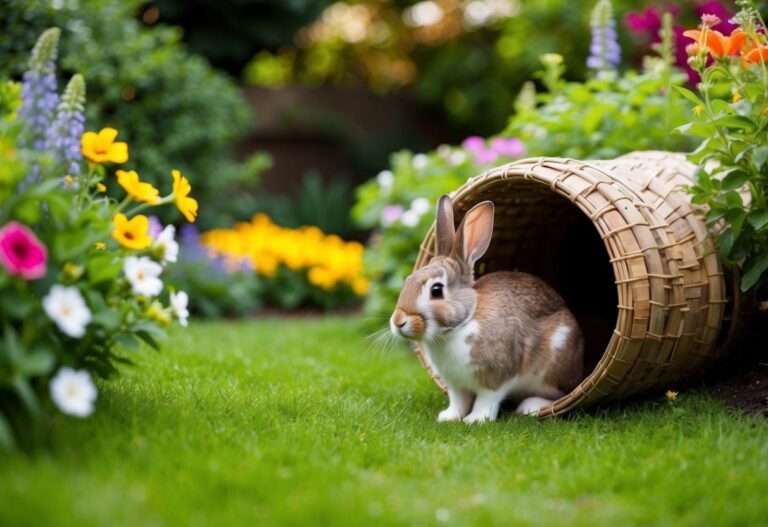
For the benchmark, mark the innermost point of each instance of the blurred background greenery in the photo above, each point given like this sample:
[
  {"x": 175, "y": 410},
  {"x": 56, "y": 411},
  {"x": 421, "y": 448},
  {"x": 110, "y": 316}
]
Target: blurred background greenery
[{"x": 286, "y": 106}]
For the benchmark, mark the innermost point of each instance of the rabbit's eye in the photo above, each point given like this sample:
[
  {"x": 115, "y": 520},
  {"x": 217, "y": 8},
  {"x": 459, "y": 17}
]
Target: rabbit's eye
[{"x": 436, "y": 291}]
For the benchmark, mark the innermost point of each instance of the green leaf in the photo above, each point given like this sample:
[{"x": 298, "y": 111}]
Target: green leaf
[
  {"x": 108, "y": 318},
  {"x": 37, "y": 362},
  {"x": 688, "y": 94},
  {"x": 759, "y": 156},
  {"x": 102, "y": 268},
  {"x": 735, "y": 122},
  {"x": 6, "y": 435},
  {"x": 735, "y": 179},
  {"x": 753, "y": 270},
  {"x": 725, "y": 244},
  {"x": 758, "y": 219},
  {"x": 733, "y": 199},
  {"x": 26, "y": 394}
]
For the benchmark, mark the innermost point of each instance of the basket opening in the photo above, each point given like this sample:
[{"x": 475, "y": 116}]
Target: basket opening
[{"x": 540, "y": 232}]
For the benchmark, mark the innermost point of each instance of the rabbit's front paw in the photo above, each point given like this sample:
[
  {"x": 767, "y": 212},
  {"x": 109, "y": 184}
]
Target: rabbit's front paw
[
  {"x": 477, "y": 417},
  {"x": 449, "y": 414}
]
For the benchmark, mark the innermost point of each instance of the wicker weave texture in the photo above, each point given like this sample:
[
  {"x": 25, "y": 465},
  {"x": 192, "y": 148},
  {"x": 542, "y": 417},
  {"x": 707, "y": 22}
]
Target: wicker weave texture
[{"x": 669, "y": 284}]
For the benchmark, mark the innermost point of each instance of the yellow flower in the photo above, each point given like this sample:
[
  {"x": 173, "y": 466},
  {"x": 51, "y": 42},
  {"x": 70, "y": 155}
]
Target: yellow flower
[
  {"x": 360, "y": 286},
  {"x": 698, "y": 109},
  {"x": 102, "y": 148},
  {"x": 100, "y": 246},
  {"x": 68, "y": 180},
  {"x": 321, "y": 277},
  {"x": 181, "y": 190},
  {"x": 737, "y": 97},
  {"x": 139, "y": 191},
  {"x": 671, "y": 396},
  {"x": 101, "y": 187},
  {"x": 133, "y": 233}
]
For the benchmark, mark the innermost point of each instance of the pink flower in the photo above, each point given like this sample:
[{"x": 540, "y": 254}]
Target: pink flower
[
  {"x": 511, "y": 147},
  {"x": 474, "y": 144},
  {"x": 21, "y": 253},
  {"x": 390, "y": 214}
]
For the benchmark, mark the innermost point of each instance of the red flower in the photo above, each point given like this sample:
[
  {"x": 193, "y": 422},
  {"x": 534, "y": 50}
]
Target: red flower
[{"x": 21, "y": 253}]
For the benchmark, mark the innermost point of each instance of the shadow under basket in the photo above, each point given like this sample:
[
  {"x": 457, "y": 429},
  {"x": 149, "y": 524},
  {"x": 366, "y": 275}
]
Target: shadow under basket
[{"x": 621, "y": 242}]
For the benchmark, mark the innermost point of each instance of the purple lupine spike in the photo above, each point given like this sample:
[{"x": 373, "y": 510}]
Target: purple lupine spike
[
  {"x": 38, "y": 90},
  {"x": 605, "y": 53},
  {"x": 62, "y": 138}
]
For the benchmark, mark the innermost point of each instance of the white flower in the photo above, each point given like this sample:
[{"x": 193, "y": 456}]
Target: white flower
[
  {"x": 420, "y": 161},
  {"x": 457, "y": 157},
  {"x": 386, "y": 180},
  {"x": 66, "y": 307},
  {"x": 73, "y": 392},
  {"x": 179, "y": 303},
  {"x": 410, "y": 218},
  {"x": 166, "y": 245},
  {"x": 420, "y": 206},
  {"x": 143, "y": 274}
]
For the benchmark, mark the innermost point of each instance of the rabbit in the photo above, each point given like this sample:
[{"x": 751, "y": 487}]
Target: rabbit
[{"x": 505, "y": 335}]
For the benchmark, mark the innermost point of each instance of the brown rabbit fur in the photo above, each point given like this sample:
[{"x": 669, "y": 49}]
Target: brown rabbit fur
[{"x": 506, "y": 335}]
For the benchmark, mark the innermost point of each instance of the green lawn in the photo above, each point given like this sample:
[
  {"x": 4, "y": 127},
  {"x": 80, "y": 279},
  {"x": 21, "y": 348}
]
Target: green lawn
[{"x": 299, "y": 422}]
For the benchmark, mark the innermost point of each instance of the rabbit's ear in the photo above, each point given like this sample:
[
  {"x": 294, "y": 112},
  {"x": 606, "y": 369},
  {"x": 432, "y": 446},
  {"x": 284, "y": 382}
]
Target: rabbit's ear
[
  {"x": 474, "y": 235},
  {"x": 446, "y": 232}
]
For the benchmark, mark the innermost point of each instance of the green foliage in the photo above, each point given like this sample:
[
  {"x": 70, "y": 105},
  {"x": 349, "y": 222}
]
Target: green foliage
[
  {"x": 324, "y": 205},
  {"x": 732, "y": 180},
  {"x": 293, "y": 422},
  {"x": 227, "y": 32},
  {"x": 605, "y": 116},
  {"x": 175, "y": 110}
]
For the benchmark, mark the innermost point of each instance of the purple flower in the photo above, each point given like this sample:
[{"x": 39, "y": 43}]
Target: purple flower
[
  {"x": 605, "y": 53},
  {"x": 509, "y": 147},
  {"x": 63, "y": 137},
  {"x": 38, "y": 90},
  {"x": 155, "y": 226}
]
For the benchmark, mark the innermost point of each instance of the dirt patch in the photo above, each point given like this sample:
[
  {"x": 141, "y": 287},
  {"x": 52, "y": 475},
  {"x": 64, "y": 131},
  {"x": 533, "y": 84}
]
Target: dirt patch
[{"x": 746, "y": 389}]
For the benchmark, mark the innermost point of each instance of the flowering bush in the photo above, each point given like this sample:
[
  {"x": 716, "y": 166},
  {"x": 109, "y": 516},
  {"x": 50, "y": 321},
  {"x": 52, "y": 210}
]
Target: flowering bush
[
  {"x": 731, "y": 115},
  {"x": 80, "y": 276},
  {"x": 608, "y": 115},
  {"x": 296, "y": 267}
]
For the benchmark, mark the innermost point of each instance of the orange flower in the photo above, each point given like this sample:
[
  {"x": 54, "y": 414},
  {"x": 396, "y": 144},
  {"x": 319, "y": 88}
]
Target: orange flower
[
  {"x": 181, "y": 190},
  {"x": 719, "y": 45},
  {"x": 756, "y": 56},
  {"x": 102, "y": 148}
]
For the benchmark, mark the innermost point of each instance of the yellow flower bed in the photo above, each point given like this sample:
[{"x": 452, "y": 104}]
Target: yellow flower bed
[{"x": 328, "y": 260}]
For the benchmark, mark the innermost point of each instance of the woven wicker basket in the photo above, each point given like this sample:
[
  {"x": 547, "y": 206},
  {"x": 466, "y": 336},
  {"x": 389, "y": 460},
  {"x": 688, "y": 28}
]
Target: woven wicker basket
[{"x": 621, "y": 243}]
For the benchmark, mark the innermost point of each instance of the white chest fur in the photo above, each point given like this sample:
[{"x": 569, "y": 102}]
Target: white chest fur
[{"x": 449, "y": 354}]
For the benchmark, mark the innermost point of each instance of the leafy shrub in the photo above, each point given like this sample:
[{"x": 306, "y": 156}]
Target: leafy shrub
[
  {"x": 79, "y": 273},
  {"x": 324, "y": 205},
  {"x": 174, "y": 109},
  {"x": 730, "y": 118}
]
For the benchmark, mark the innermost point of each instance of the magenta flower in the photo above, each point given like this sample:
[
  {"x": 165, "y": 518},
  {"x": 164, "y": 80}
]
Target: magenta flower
[{"x": 21, "y": 253}]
